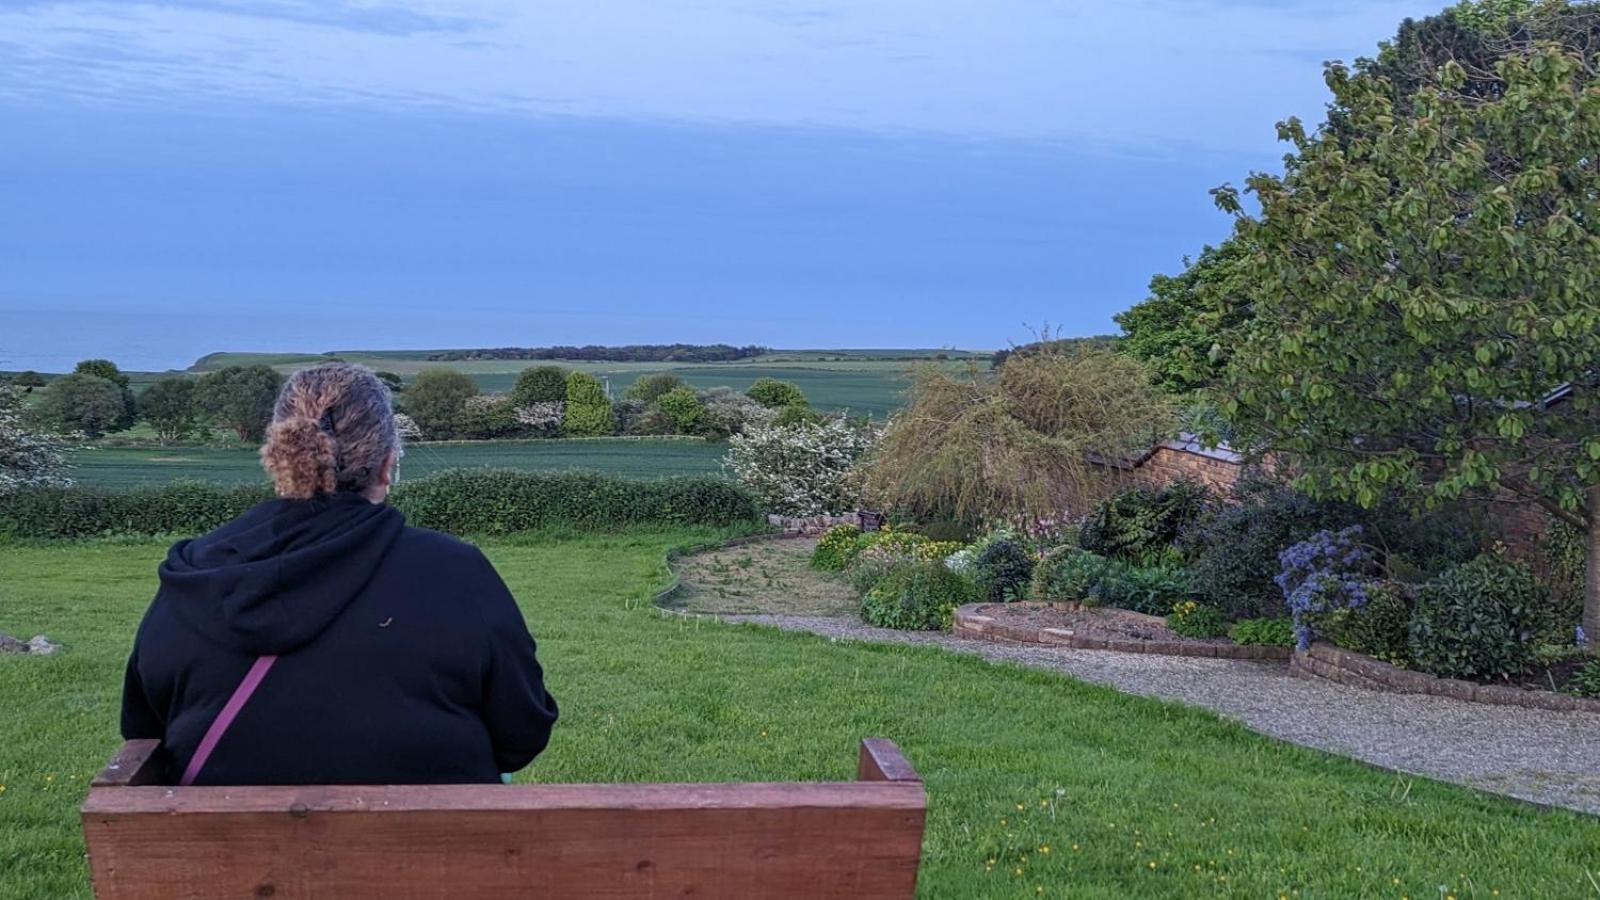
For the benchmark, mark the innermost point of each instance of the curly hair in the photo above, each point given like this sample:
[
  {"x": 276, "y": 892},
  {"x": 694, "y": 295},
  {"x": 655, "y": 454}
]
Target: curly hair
[{"x": 332, "y": 428}]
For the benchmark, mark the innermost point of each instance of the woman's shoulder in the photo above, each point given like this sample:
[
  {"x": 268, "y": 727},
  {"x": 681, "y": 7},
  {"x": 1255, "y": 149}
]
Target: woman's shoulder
[{"x": 428, "y": 548}]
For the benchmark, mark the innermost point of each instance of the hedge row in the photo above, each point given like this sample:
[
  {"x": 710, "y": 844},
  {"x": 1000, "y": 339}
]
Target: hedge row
[{"x": 477, "y": 501}]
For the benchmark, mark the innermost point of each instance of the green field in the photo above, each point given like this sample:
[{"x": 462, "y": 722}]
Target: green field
[
  {"x": 130, "y": 467},
  {"x": 1038, "y": 785},
  {"x": 862, "y": 381}
]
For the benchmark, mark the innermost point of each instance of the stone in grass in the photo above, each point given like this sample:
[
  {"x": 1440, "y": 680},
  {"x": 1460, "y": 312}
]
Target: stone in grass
[{"x": 39, "y": 645}]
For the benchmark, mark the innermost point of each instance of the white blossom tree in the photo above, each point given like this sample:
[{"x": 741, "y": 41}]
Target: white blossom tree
[
  {"x": 26, "y": 459},
  {"x": 805, "y": 469}
]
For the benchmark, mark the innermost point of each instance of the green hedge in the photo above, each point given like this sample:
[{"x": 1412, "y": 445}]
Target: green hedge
[
  {"x": 489, "y": 501},
  {"x": 476, "y": 501}
]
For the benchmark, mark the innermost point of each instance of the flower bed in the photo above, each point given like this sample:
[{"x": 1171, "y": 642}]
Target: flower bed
[
  {"x": 1324, "y": 660},
  {"x": 1074, "y": 626}
]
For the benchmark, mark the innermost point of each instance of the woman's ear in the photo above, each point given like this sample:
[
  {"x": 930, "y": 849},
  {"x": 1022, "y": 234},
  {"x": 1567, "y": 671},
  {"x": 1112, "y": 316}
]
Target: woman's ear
[{"x": 385, "y": 480}]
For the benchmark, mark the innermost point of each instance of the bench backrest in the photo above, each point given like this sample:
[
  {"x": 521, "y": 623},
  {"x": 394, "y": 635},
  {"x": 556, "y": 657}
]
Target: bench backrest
[{"x": 831, "y": 839}]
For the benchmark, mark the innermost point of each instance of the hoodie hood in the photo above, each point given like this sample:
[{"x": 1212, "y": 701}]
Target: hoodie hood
[{"x": 273, "y": 579}]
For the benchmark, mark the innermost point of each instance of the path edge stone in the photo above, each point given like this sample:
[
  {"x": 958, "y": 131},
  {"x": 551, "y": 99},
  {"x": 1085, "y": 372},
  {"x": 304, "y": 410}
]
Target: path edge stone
[
  {"x": 969, "y": 623},
  {"x": 1326, "y": 662}
]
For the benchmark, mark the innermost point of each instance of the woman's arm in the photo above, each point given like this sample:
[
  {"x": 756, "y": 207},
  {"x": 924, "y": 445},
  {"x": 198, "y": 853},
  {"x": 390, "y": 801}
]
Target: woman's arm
[
  {"x": 139, "y": 718},
  {"x": 518, "y": 710}
]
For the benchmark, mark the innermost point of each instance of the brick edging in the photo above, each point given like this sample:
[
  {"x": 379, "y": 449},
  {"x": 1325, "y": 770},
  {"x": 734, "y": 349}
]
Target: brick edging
[
  {"x": 1324, "y": 660},
  {"x": 969, "y": 623}
]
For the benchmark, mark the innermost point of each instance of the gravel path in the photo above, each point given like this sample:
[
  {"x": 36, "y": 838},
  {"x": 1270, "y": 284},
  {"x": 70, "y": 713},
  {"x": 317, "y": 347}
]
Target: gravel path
[{"x": 1546, "y": 757}]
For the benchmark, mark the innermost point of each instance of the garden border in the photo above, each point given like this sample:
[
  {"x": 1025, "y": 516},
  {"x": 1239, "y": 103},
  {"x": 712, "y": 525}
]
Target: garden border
[
  {"x": 969, "y": 623},
  {"x": 1330, "y": 663}
]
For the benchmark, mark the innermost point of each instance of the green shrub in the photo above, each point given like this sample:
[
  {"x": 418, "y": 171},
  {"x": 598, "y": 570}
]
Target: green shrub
[
  {"x": 1002, "y": 571},
  {"x": 1067, "y": 573},
  {"x": 775, "y": 394},
  {"x": 917, "y": 596},
  {"x": 1152, "y": 590},
  {"x": 876, "y": 553},
  {"x": 475, "y": 501},
  {"x": 1379, "y": 628},
  {"x": 684, "y": 408},
  {"x": 1587, "y": 682},
  {"x": 1476, "y": 620},
  {"x": 588, "y": 412},
  {"x": 1142, "y": 525},
  {"x": 1566, "y": 560},
  {"x": 540, "y": 384},
  {"x": 1233, "y": 551},
  {"x": 650, "y": 388},
  {"x": 836, "y": 549},
  {"x": 1196, "y": 620},
  {"x": 1274, "y": 632}
]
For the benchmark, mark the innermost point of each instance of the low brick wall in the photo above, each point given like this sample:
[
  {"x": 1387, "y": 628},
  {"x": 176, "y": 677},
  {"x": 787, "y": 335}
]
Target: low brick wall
[
  {"x": 794, "y": 525},
  {"x": 969, "y": 623},
  {"x": 1324, "y": 660}
]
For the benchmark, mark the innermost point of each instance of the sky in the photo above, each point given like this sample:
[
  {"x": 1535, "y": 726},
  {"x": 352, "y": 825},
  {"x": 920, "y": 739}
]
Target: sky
[{"x": 186, "y": 176}]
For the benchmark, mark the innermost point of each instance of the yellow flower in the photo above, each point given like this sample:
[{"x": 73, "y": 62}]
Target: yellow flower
[
  {"x": 1044, "y": 848},
  {"x": 1152, "y": 864}
]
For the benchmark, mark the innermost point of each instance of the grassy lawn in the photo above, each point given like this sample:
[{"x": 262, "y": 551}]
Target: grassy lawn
[
  {"x": 128, "y": 467},
  {"x": 1038, "y": 785}
]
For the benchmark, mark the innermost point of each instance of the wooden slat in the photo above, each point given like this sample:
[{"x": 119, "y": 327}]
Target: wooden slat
[
  {"x": 881, "y": 760},
  {"x": 134, "y": 763},
  {"x": 706, "y": 852},
  {"x": 827, "y": 840},
  {"x": 386, "y": 799}
]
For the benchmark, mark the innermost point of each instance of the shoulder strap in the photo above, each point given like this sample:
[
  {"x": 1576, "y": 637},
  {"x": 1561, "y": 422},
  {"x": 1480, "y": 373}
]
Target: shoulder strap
[{"x": 230, "y": 711}]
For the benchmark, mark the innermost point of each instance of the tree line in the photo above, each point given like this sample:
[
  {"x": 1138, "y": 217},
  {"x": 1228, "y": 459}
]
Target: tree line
[
  {"x": 437, "y": 404},
  {"x": 598, "y": 353}
]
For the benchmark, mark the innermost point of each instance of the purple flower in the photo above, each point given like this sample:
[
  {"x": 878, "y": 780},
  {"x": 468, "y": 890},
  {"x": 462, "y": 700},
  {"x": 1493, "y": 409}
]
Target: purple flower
[{"x": 1326, "y": 572}]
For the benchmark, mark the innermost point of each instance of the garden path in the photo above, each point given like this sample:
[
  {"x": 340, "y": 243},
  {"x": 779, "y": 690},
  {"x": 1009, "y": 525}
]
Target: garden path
[{"x": 1547, "y": 757}]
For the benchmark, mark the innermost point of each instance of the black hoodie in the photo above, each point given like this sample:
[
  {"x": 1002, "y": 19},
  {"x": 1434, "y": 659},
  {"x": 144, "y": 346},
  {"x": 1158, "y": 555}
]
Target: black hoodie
[{"x": 403, "y": 657}]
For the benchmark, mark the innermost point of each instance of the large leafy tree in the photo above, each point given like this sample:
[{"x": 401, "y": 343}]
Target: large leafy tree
[
  {"x": 84, "y": 403},
  {"x": 1032, "y": 439},
  {"x": 1475, "y": 36},
  {"x": 588, "y": 411},
  {"x": 105, "y": 368},
  {"x": 438, "y": 401},
  {"x": 1425, "y": 287},
  {"x": 169, "y": 407},
  {"x": 240, "y": 398},
  {"x": 1185, "y": 326},
  {"x": 540, "y": 384}
]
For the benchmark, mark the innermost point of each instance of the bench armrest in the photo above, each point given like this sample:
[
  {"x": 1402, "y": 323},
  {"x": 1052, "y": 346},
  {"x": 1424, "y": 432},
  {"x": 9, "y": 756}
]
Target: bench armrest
[
  {"x": 881, "y": 760},
  {"x": 135, "y": 764}
]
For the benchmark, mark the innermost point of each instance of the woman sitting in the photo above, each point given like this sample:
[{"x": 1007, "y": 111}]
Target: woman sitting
[{"x": 318, "y": 639}]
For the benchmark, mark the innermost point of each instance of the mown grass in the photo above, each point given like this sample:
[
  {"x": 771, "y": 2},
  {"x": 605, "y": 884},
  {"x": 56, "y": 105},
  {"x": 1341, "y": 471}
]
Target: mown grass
[
  {"x": 1039, "y": 785},
  {"x": 644, "y": 458}
]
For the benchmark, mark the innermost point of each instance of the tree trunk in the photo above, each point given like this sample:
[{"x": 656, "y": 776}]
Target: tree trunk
[{"x": 1591, "y": 593}]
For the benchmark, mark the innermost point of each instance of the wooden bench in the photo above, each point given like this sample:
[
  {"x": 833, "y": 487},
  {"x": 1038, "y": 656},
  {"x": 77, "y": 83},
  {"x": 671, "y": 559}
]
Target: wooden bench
[{"x": 825, "y": 839}]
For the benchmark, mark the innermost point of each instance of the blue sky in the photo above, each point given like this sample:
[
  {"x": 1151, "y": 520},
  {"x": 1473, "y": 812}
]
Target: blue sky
[{"x": 194, "y": 175}]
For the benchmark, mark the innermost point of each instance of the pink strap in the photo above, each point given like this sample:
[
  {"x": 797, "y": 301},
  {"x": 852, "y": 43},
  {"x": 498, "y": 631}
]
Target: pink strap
[{"x": 230, "y": 711}]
